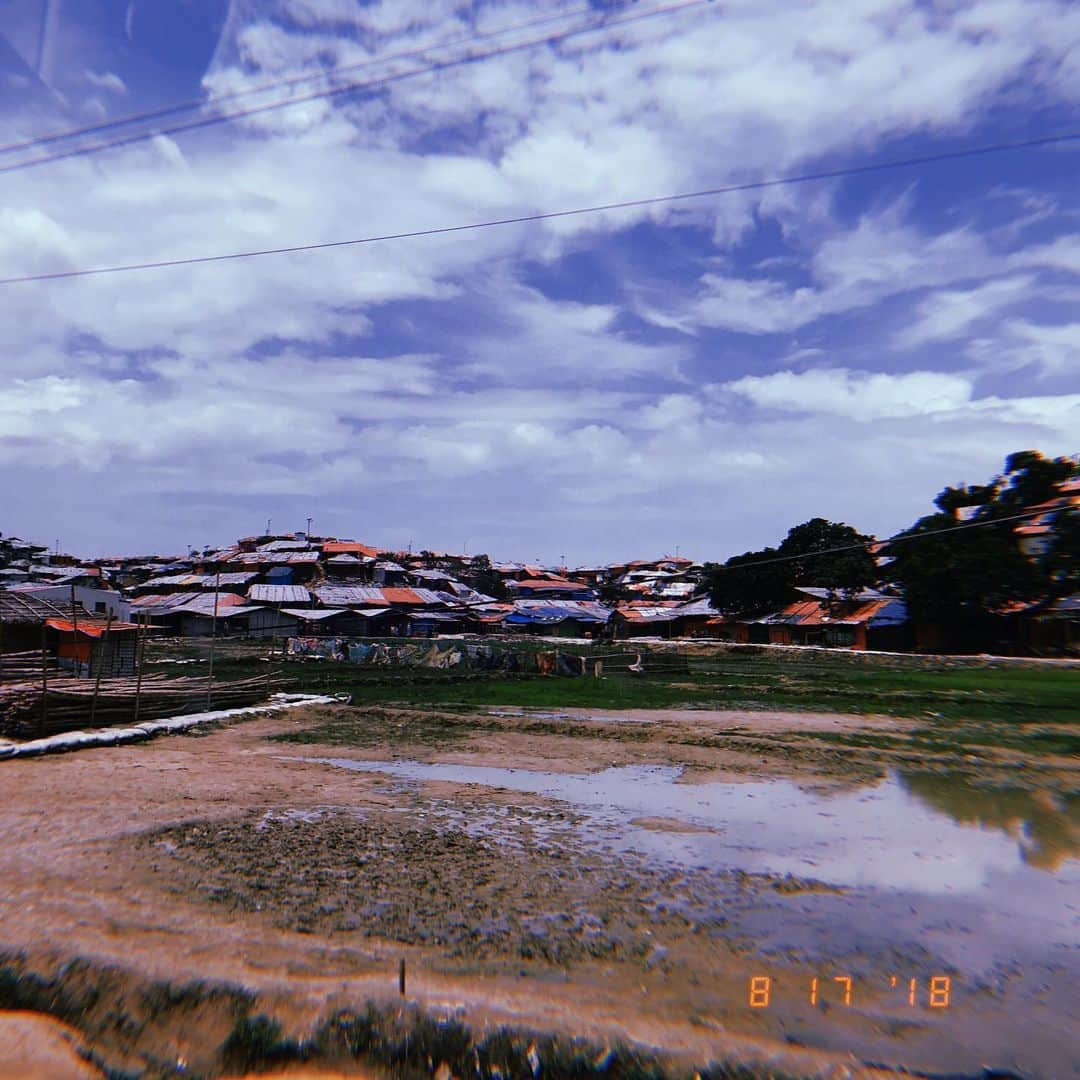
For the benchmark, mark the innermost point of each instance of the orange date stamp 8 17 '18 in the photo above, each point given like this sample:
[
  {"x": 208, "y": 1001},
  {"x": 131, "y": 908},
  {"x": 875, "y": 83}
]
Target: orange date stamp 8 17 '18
[{"x": 935, "y": 993}]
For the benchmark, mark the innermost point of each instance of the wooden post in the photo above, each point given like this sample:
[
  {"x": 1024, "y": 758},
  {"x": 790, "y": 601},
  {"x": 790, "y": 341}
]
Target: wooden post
[
  {"x": 44, "y": 681},
  {"x": 100, "y": 667},
  {"x": 213, "y": 638},
  {"x": 140, "y": 649},
  {"x": 75, "y": 629},
  {"x": 401, "y": 977}
]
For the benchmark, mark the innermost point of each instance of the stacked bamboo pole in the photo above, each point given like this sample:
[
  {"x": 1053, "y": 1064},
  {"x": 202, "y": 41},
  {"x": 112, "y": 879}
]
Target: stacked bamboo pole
[{"x": 67, "y": 703}]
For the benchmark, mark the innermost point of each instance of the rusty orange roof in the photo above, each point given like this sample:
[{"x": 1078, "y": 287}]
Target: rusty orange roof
[
  {"x": 811, "y": 612},
  {"x": 406, "y": 596},
  {"x": 90, "y": 629},
  {"x": 349, "y": 547}
]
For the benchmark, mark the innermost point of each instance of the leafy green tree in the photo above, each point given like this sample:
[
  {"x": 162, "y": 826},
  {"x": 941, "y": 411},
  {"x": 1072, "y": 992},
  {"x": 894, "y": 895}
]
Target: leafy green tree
[
  {"x": 1060, "y": 563},
  {"x": 609, "y": 593},
  {"x": 1030, "y": 479},
  {"x": 820, "y": 564},
  {"x": 960, "y": 576},
  {"x": 969, "y": 573},
  {"x": 757, "y": 582},
  {"x": 749, "y": 584},
  {"x": 484, "y": 579}
]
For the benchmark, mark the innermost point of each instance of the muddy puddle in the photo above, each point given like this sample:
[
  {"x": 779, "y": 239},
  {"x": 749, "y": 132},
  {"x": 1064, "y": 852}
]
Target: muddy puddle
[
  {"x": 602, "y": 718},
  {"x": 911, "y": 878}
]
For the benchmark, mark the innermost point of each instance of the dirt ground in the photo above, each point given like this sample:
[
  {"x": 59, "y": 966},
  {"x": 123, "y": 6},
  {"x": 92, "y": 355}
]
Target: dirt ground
[{"x": 212, "y": 904}]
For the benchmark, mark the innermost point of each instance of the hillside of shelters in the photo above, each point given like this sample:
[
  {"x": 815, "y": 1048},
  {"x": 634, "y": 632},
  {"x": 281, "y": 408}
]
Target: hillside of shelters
[{"x": 304, "y": 589}]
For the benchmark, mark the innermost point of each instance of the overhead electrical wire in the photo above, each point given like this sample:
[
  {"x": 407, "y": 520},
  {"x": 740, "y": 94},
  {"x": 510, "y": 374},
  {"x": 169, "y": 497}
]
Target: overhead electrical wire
[
  {"x": 348, "y": 88},
  {"x": 898, "y": 539},
  {"x": 548, "y": 215},
  {"x": 290, "y": 83}
]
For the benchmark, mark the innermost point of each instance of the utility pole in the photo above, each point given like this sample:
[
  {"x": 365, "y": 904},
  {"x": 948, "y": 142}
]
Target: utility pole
[
  {"x": 267, "y": 533},
  {"x": 309, "y": 521}
]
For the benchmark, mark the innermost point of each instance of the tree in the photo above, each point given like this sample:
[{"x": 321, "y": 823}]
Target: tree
[
  {"x": 969, "y": 573},
  {"x": 1060, "y": 563},
  {"x": 484, "y": 579},
  {"x": 846, "y": 571},
  {"x": 608, "y": 592},
  {"x": 960, "y": 576},
  {"x": 757, "y": 582},
  {"x": 1031, "y": 479},
  {"x": 749, "y": 584}
]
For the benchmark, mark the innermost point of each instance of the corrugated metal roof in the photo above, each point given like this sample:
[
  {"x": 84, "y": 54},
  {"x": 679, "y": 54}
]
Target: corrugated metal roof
[
  {"x": 348, "y": 595},
  {"x": 546, "y": 585},
  {"x": 285, "y": 545},
  {"x": 414, "y": 596},
  {"x": 702, "y": 606},
  {"x": 274, "y": 558},
  {"x": 171, "y": 579},
  {"x": 348, "y": 547},
  {"x": 279, "y": 594},
  {"x": 201, "y": 581},
  {"x": 649, "y": 614},
  {"x": 314, "y": 614},
  {"x": 201, "y": 602},
  {"x": 352, "y": 595},
  {"x": 884, "y": 611}
]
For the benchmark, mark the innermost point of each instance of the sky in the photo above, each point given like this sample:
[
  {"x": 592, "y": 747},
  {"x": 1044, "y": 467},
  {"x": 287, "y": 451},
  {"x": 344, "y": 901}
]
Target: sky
[{"x": 698, "y": 375}]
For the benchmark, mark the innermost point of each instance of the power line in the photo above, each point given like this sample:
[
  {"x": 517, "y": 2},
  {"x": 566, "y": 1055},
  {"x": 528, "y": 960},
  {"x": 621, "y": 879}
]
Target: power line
[
  {"x": 289, "y": 83},
  {"x": 900, "y": 538},
  {"x": 727, "y": 189},
  {"x": 348, "y": 88}
]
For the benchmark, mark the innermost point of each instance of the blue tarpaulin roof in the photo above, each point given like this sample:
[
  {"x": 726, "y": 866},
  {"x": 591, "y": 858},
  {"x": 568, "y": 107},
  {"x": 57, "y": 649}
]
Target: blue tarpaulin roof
[{"x": 552, "y": 613}]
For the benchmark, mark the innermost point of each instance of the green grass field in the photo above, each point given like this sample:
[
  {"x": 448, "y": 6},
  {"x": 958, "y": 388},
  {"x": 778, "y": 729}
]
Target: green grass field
[{"x": 949, "y": 689}]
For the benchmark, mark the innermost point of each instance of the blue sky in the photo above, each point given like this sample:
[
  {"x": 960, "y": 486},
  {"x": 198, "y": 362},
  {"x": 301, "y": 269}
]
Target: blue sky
[{"x": 703, "y": 374}]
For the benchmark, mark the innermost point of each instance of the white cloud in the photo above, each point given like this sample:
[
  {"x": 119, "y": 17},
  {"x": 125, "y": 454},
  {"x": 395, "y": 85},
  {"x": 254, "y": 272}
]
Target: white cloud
[
  {"x": 851, "y": 269},
  {"x": 854, "y": 394},
  {"x": 948, "y": 313},
  {"x": 1047, "y": 348},
  {"x": 106, "y": 80},
  {"x": 523, "y": 403}
]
